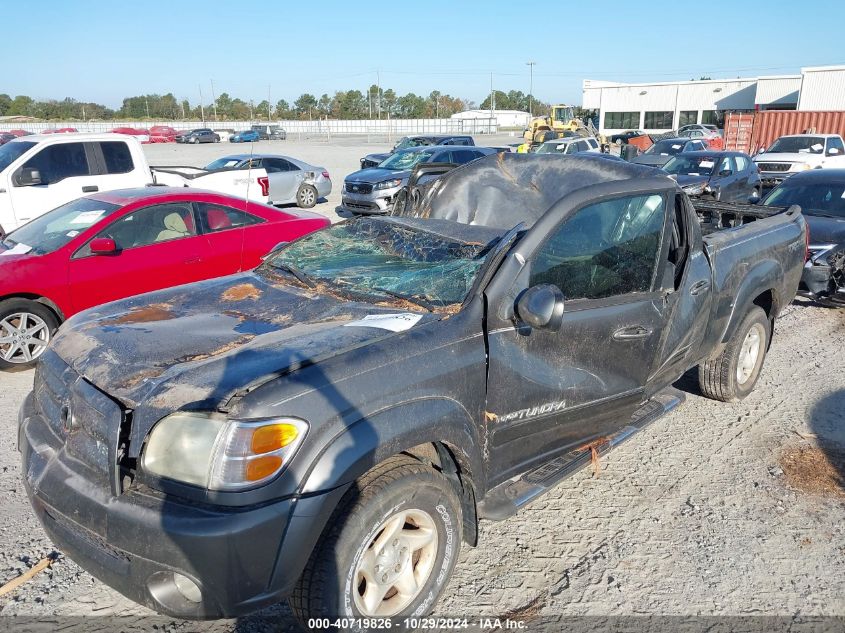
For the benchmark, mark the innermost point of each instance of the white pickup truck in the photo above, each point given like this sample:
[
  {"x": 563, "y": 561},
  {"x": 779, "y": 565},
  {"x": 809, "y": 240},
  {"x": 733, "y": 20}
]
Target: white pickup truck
[
  {"x": 795, "y": 153},
  {"x": 41, "y": 172}
]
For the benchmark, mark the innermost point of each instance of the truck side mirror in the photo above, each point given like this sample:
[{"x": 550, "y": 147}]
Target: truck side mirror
[
  {"x": 103, "y": 246},
  {"x": 27, "y": 177},
  {"x": 833, "y": 151},
  {"x": 541, "y": 307}
]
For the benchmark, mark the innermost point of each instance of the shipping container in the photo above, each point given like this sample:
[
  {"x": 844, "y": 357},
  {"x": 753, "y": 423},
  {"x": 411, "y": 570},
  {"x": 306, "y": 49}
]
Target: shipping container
[{"x": 768, "y": 125}]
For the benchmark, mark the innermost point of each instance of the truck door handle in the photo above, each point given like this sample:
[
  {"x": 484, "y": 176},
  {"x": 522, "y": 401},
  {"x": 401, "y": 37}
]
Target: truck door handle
[
  {"x": 699, "y": 287},
  {"x": 90, "y": 188},
  {"x": 631, "y": 333}
]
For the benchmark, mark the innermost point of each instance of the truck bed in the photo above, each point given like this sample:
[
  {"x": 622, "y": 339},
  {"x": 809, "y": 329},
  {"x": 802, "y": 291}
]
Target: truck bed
[{"x": 716, "y": 216}]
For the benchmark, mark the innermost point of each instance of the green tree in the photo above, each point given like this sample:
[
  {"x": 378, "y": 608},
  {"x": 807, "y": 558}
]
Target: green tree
[
  {"x": 305, "y": 106},
  {"x": 324, "y": 105},
  {"x": 5, "y": 104}
]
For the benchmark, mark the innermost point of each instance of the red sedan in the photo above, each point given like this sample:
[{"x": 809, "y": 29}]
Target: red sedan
[{"x": 109, "y": 246}]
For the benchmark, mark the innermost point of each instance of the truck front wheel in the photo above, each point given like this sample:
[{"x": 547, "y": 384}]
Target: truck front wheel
[
  {"x": 732, "y": 375},
  {"x": 389, "y": 549}
]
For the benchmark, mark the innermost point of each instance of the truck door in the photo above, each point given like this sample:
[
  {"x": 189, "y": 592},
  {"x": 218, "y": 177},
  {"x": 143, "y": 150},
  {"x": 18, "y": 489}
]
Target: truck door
[
  {"x": 67, "y": 172},
  {"x": 688, "y": 300},
  {"x": 116, "y": 167},
  {"x": 551, "y": 390}
]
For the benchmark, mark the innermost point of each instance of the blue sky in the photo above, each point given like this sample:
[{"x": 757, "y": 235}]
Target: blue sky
[{"x": 104, "y": 51}]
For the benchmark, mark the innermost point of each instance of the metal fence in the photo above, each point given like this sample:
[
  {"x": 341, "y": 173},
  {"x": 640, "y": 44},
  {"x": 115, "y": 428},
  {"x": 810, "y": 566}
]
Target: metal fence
[{"x": 377, "y": 129}]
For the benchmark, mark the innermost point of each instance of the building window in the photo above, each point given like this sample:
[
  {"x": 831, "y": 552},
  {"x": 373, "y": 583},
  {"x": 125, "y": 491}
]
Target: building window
[
  {"x": 658, "y": 121},
  {"x": 708, "y": 117},
  {"x": 620, "y": 120},
  {"x": 687, "y": 117}
]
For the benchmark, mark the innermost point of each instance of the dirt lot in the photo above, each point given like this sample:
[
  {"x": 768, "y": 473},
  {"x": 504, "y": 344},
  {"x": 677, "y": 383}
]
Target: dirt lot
[{"x": 717, "y": 509}]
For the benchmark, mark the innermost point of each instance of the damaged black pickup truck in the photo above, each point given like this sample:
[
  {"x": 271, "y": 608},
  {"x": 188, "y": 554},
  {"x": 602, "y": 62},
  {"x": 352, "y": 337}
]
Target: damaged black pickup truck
[{"x": 331, "y": 427}]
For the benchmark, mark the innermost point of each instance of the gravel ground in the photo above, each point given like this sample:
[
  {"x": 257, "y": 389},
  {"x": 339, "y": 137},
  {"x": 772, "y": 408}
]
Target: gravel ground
[{"x": 716, "y": 509}]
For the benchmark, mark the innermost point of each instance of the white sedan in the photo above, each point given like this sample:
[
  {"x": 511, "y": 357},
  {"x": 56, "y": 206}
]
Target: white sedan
[{"x": 290, "y": 180}]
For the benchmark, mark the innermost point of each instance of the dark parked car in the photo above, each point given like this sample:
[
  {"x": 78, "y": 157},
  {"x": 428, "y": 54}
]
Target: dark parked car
[
  {"x": 331, "y": 426},
  {"x": 200, "y": 135},
  {"x": 821, "y": 195},
  {"x": 659, "y": 154},
  {"x": 623, "y": 137},
  {"x": 725, "y": 176},
  {"x": 410, "y": 142},
  {"x": 270, "y": 132},
  {"x": 373, "y": 190}
]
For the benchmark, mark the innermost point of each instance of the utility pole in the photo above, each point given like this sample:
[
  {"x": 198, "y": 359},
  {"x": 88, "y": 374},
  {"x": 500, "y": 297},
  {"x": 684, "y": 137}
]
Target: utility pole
[
  {"x": 202, "y": 107},
  {"x": 268, "y": 104},
  {"x": 214, "y": 100},
  {"x": 147, "y": 103},
  {"x": 250, "y": 110},
  {"x": 378, "y": 85},
  {"x": 83, "y": 112},
  {"x": 531, "y": 89}
]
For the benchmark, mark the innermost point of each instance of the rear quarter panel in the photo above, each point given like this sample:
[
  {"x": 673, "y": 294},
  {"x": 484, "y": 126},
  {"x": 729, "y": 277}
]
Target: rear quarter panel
[{"x": 764, "y": 255}]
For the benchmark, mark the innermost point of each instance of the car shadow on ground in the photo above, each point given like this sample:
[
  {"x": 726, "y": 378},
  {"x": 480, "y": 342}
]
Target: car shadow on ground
[{"x": 293, "y": 205}]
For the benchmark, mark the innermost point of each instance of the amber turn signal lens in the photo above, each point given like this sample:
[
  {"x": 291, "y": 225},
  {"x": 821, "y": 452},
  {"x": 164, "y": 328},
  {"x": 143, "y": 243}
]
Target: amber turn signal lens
[
  {"x": 272, "y": 437},
  {"x": 261, "y": 467}
]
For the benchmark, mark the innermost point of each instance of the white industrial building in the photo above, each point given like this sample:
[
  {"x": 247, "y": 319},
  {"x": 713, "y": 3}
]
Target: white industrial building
[
  {"x": 662, "y": 106},
  {"x": 504, "y": 118}
]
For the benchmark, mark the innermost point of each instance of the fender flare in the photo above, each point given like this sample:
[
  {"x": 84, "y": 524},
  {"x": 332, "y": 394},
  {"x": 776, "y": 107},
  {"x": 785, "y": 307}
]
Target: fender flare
[
  {"x": 372, "y": 439},
  {"x": 763, "y": 278}
]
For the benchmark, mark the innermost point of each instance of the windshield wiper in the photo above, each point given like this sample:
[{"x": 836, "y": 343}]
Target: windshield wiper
[
  {"x": 296, "y": 272},
  {"x": 423, "y": 303}
]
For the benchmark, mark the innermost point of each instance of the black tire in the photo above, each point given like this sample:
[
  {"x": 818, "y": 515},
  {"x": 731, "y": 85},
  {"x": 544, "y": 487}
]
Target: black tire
[
  {"x": 12, "y": 307},
  {"x": 328, "y": 588},
  {"x": 718, "y": 378},
  {"x": 306, "y": 196}
]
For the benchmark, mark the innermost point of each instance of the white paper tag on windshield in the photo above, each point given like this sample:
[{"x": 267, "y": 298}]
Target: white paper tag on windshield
[
  {"x": 676, "y": 147},
  {"x": 707, "y": 164},
  {"x": 88, "y": 217},
  {"x": 817, "y": 147},
  {"x": 392, "y": 322},
  {"x": 17, "y": 249}
]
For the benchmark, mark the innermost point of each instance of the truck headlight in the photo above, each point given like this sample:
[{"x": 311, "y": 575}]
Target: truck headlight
[
  {"x": 389, "y": 184},
  {"x": 211, "y": 451}
]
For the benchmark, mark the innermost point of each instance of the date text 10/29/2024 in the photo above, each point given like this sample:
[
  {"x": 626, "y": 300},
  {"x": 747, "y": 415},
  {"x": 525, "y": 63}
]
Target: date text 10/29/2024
[{"x": 477, "y": 624}]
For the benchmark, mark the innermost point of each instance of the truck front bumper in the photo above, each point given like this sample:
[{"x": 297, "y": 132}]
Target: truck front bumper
[{"x": 177, "y": 558}]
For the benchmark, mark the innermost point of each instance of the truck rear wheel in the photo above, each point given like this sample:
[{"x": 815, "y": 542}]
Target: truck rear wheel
[
  {"x": 732, "y": 375},
  {"x": 389, "y": 549}
]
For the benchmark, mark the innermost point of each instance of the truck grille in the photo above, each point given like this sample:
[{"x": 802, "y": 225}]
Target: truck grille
[
  {"x": 774, "y": 166},
  {"x": 84, "y": 419},
  {"x": 358, "y": 187}
]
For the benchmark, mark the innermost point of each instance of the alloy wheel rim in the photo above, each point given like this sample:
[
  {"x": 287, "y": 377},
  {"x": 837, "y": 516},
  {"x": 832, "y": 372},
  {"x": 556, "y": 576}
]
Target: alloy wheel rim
[
  {"x": 23, "y": 337},
  {"x": 749, "y": 353},
  {"x": 306, "y": 196},
  {"x": 396, "y": 565}
]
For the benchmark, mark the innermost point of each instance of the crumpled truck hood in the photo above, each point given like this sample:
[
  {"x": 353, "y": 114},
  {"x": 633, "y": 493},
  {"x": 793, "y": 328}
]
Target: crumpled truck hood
[{"x": 195, "y": 346}]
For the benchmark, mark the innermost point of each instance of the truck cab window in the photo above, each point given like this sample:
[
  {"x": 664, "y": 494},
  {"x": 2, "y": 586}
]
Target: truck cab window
[
  {"x": 605, "y": 249},
  {"x": 60, "y": 161},
  {"x": 679, "y": 240},
  {"x": 118, "y": 159}
]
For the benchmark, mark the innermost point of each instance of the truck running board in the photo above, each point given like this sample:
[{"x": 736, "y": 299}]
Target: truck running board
[{"x": 504, "y": 500}]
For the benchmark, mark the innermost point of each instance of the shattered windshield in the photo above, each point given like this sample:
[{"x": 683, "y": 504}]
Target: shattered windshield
[
  {"x": 405, "y": 160},
  {"x": 378, "y": 260}
]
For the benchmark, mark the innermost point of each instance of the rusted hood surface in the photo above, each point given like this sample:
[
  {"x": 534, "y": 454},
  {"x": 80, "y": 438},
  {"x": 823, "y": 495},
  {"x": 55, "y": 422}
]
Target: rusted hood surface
[{"x": 194, "y": 346}]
